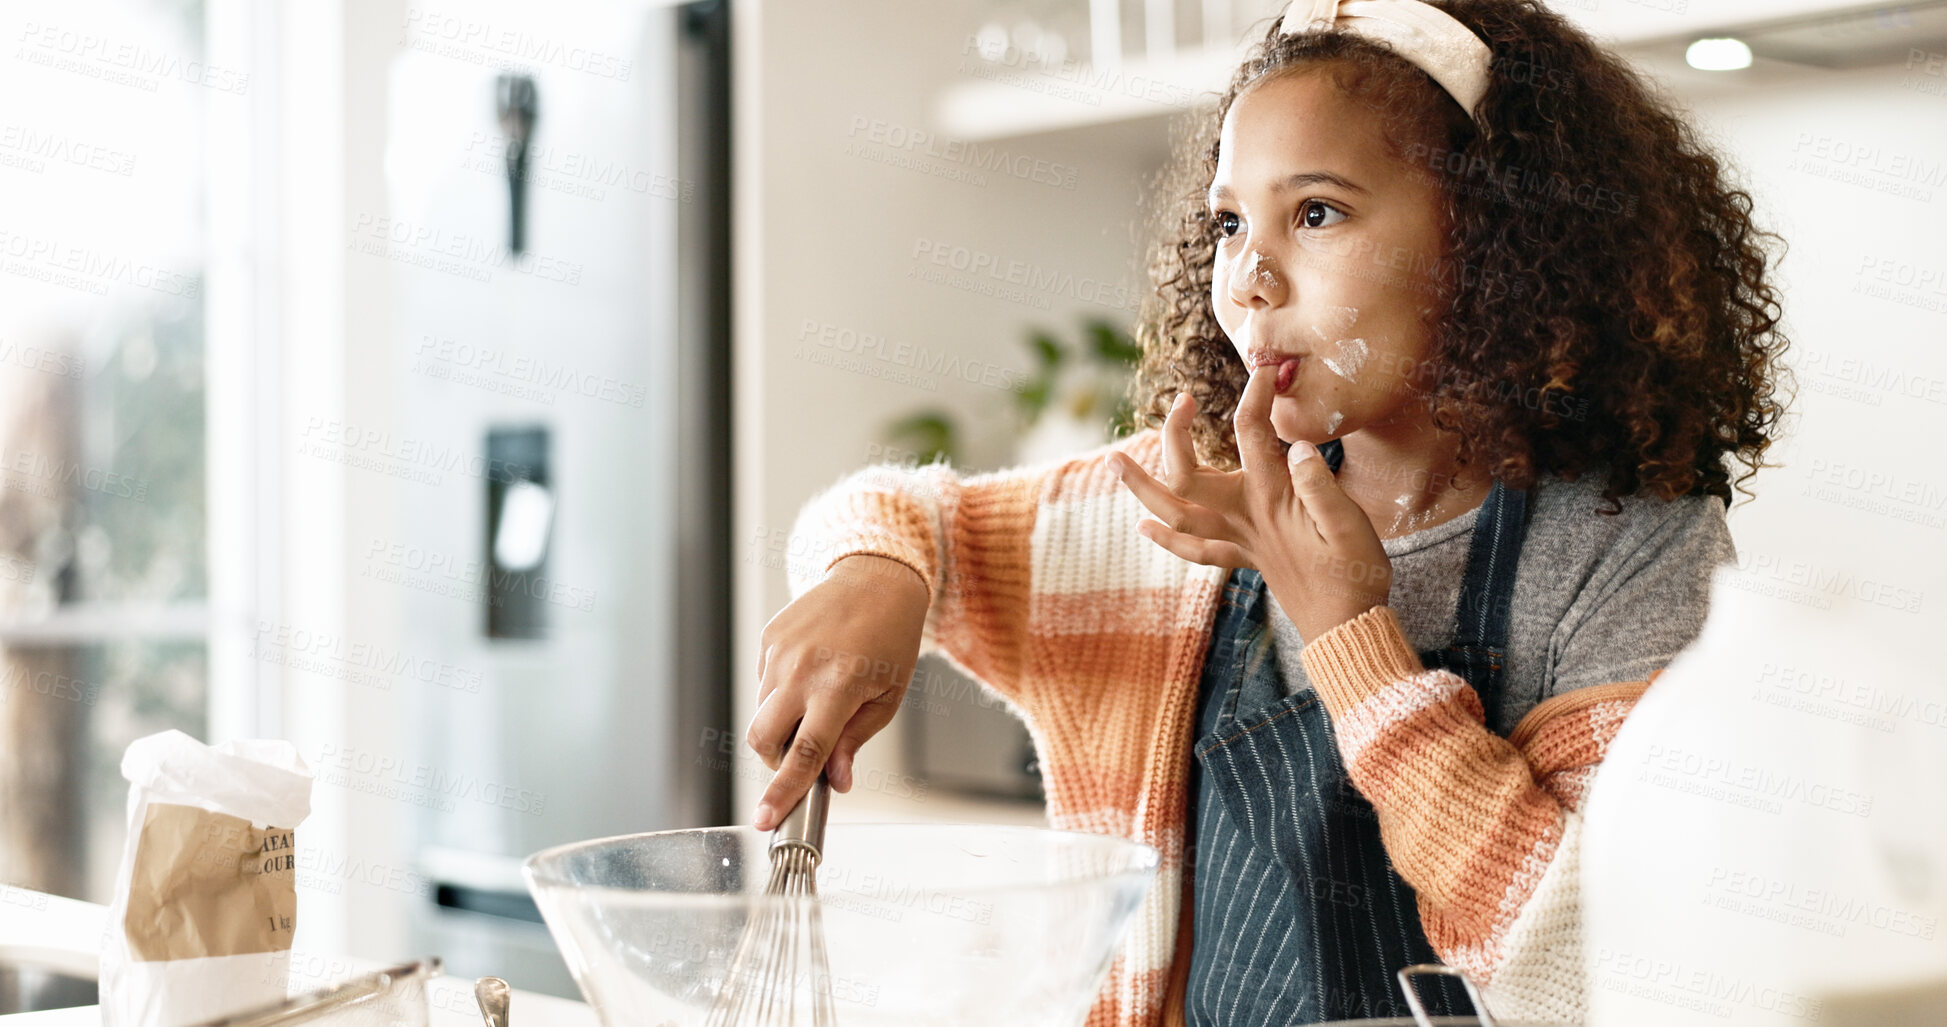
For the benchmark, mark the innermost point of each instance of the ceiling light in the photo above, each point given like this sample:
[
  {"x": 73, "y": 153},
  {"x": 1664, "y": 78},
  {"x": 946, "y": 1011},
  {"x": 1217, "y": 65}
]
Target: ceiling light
[{"x": 1718, "y": 55}]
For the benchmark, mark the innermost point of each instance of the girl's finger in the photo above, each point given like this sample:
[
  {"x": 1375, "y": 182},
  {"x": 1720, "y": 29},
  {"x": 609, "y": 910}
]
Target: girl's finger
[
  {"x": 1179, "y": 451},
  {"x": 1210, "y": 552},
  {"x": 1174, "y": 510},
  {"x": 807, "y": 756},
  {"x": 868, "y": 721},
  {"x": 1324, "y": 502},
  {"x": 765, "y": 684},
  {"x": 770, "y": 728},
  {"x": 1257, "y": 444}
]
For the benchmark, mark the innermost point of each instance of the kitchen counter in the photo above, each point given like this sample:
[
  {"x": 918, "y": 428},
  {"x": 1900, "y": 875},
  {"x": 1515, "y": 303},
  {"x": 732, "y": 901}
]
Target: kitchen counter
[{"x": 65, "y": 935}]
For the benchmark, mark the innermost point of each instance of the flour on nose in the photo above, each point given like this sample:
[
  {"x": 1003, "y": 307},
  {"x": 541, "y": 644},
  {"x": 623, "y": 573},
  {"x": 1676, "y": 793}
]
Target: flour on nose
[
  {"x": 1258, "y": 271},
  {"x": 1351, "y": 357}
]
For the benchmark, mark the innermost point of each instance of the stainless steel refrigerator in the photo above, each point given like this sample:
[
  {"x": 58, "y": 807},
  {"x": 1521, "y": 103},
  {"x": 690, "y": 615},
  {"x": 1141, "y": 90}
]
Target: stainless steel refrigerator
[{"x": 557, "y": 216}]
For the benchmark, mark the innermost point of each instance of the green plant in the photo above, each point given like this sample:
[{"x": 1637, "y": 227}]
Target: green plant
[
  {"x": 1106, "y": 356},
  {"x": 930, "y": 434}
]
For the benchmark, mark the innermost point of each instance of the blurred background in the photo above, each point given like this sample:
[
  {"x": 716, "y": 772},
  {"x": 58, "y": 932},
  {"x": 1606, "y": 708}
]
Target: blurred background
[{"x": 435, "y": 385}]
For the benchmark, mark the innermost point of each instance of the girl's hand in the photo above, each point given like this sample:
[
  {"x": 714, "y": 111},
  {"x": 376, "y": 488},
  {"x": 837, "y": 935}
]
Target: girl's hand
[
  {"x": 1291, "y": 522},
  {"x": 835, "y": 666}
]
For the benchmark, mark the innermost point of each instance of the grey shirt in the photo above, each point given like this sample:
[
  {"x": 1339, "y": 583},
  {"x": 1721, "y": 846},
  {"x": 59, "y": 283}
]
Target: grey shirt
[{"x": 1596, "y": 598}]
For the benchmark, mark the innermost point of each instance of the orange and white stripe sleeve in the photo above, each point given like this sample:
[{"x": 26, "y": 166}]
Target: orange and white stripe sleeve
[
  {"x": 969, "y": 538},
  {"x": 1486, "y": 829}
]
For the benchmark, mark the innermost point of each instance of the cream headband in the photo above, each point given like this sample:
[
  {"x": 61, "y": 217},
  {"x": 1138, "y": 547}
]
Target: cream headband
[{"x": 1419, "y": 32}]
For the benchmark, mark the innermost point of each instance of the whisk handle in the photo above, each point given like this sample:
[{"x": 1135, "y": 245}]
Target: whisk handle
[{"x": 804, "y": 826}]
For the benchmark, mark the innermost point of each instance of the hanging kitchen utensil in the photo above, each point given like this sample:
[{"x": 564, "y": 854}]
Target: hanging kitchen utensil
[{"x": 514, "y": 103}]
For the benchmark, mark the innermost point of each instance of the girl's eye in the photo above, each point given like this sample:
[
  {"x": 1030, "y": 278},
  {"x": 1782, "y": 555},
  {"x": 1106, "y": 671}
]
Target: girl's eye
[
  {"x": 1227, "y": 223},
  {"x": 1314, "y": 210}
]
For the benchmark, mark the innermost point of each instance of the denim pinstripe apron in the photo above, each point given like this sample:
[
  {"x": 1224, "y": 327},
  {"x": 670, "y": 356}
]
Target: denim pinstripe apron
[{"x": 1299, "y": 916}]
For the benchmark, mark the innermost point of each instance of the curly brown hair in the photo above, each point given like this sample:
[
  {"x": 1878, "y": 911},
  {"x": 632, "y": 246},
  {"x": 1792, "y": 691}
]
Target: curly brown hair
[{"x": 1604, "y": 301}]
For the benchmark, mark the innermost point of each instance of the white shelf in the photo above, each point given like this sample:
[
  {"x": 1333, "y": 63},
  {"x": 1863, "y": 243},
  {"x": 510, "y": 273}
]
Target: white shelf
[
  {"x": 1009, "y": 100},
  {"x": 1026, "y": 99}
]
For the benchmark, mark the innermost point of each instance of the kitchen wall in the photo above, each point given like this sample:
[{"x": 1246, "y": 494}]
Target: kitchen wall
[
  {"x": 1850, "y": 166},
  {"x": 837, "y": 241}
]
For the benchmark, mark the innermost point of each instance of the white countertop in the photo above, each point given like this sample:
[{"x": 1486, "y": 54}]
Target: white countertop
[{"x": 65, "y": 935}]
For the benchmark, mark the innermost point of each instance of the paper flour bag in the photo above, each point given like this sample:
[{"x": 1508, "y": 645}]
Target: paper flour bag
[{"x": 206, "y": 902}]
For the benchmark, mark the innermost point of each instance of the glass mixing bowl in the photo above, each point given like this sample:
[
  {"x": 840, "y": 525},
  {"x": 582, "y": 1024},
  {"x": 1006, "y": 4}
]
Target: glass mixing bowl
[{"x": 921, "y": 924}]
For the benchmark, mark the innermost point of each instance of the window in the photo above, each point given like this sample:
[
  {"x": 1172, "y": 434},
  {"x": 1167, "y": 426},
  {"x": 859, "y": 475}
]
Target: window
[{"x": 103, "y": 522}]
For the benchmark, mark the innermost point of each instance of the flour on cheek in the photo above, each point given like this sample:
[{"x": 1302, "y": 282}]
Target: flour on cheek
[
  {"x": 1351, "y": 357},
  {"x": 1336, "y": 321},
  {"x": 1333, "y": 418}
]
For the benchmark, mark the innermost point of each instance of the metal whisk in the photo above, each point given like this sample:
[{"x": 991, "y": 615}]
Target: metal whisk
[{"x": 779, "y": 975}]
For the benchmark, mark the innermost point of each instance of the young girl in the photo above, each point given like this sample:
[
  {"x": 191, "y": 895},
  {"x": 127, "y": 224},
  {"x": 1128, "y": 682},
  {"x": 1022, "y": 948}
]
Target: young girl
[{"x": 1455, "y": 329}]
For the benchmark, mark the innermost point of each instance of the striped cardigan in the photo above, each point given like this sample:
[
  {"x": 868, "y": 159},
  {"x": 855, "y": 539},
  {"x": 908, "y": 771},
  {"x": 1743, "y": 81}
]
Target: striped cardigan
[{"x": 1041, "y": 588}]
